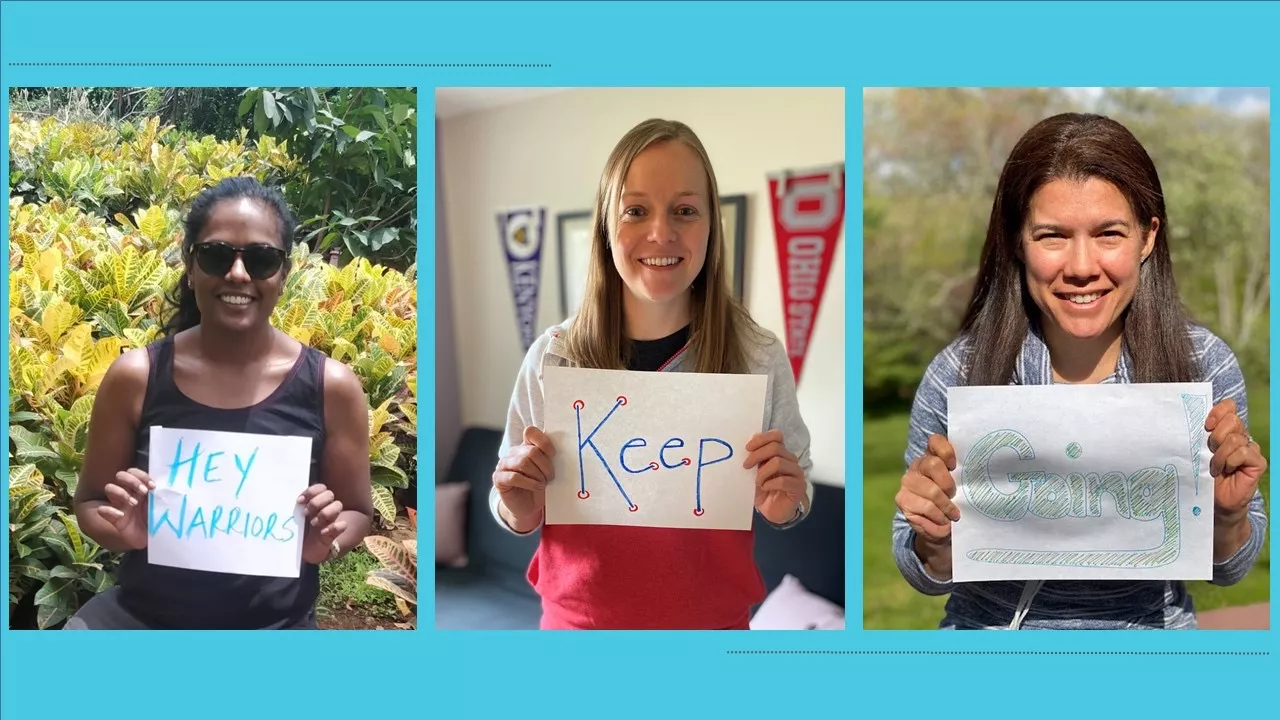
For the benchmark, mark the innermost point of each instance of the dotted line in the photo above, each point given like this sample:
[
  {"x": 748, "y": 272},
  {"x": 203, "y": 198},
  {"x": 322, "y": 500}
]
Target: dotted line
[
  {"x": 1082, "y": 653},
  {"x": 280, "y": 64}
]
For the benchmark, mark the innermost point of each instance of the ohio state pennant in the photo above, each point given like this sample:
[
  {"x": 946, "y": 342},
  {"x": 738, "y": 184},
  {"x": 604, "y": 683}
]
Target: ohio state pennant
[
  {"x": 521, "y": 231},
  {"x": 808, "y": 209}
]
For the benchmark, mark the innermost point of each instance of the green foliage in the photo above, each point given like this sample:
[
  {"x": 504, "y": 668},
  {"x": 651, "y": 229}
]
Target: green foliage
[
  {"x": 356, "y": 189},
  {"x": 86, "y": 282},
  {"x": 343, "y": 587},
  {"x": 360, "y": 188},
  {"x": 46, "y": 548}
]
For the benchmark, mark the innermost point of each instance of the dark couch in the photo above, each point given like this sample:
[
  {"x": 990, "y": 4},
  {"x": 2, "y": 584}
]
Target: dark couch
[{"x": 492, "y": 593}]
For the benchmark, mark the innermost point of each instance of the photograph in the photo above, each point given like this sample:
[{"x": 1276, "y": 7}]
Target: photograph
[
  {"x": 1066, "y": 337},
  {"x": 640, "y": 365},
  {"x": 213, "y": 358}
]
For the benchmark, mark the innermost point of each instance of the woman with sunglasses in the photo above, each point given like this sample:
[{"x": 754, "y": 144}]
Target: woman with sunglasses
[{"x": 221, "y": 366}]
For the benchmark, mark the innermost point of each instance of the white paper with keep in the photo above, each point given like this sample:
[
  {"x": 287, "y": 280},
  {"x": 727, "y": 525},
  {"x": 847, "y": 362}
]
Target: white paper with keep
[
  {"x": 1075, "y": 482},
  {"x": 227, "y": 502},
  {"x": 652, "y": 449}
]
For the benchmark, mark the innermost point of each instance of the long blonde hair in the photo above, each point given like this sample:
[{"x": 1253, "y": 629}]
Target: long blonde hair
[{"x": 718, "y": 322}]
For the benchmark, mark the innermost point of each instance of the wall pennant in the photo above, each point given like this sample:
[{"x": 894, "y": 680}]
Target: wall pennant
[
  {"x": 521, "y": 231},
  {"x": 808, "y": 209}
]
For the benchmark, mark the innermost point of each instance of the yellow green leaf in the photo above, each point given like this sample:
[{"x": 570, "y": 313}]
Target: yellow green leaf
[
  {"x": 58, "y": 318},
  {"x": 384, "y": 502}
]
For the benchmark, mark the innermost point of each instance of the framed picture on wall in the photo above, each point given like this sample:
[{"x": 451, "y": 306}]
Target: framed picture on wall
[
  {"x": 573, "y": 230},
  {"x": 733, "y": 215},
  {"x": 574, "y": 236}
]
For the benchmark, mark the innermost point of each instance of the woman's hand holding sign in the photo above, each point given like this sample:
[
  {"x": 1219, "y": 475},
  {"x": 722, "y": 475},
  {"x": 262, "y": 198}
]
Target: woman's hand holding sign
[
  {"x": 521, "y": 478},
  {"x": 323, "y": 524},
  {"x": 780, "y": 483},
  {"x": 1236, "y": 467},
  {"x": 925, "y": 498},
  {"x": 127, "y": 508}
]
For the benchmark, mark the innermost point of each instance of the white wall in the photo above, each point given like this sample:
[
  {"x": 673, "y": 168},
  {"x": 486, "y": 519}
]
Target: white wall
[
  {"x": 448, "y": 399},
  {"x": 550, "y": 151}
]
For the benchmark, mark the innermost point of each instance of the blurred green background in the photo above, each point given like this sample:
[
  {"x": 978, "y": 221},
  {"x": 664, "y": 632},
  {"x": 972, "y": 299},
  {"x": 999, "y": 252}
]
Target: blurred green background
[{"x": 931, "y": 161}]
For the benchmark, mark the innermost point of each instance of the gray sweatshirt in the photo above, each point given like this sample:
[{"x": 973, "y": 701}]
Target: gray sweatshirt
[{"x": 781, "y": 409}]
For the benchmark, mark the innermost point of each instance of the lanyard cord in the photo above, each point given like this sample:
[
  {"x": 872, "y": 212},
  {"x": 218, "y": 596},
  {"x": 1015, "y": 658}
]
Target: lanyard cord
[{"x": 1024, "y": 603}]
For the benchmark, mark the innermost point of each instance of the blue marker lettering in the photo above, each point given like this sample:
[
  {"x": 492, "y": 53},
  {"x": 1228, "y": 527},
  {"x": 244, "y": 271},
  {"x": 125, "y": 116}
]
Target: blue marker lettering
[
  {"x": 672, "y": 443},
  {"x": 164, "y": 518},
  {"x": 233, "y": 516},
  {"x": 214, "y": 517},
  {"x": 178, "y": 462},
  {"x": 258, "y": 525},
  {"x": 287, "y": 525},
  {"x": 272, "y": 519},
  {"x": 589, "y": 441},
  {"x": 639, "y": 443},
  {"x": 701, "y": 464},
  {"x": 244, "y": 470},
  {"x": 197, "y": 520},
  {"x": 209, "y": 467}
]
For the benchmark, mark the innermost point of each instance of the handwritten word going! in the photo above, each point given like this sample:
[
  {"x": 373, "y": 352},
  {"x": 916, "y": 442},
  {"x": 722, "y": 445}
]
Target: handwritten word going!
[
  {"x": 668, "y": 458},
  {"x": 1149, "y": 494},
  {"x": 206, "y": 522}
]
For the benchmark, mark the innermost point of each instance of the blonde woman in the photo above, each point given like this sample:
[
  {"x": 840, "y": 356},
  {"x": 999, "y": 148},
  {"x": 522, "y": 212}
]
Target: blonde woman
[{"x": 657, "y": 300}]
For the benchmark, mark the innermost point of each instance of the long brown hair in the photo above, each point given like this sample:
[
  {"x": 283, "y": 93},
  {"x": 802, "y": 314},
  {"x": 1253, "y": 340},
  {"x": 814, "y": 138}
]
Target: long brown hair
[
  {"x": 1075, "y": 146},
  {"x": 718, "y": 322}
]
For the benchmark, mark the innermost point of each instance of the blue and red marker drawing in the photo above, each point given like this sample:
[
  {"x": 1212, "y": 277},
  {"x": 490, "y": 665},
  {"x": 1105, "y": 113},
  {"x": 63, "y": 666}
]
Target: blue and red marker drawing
[
  {"x": 582, "y": 475},
  {"x": 638, "y": 442}
]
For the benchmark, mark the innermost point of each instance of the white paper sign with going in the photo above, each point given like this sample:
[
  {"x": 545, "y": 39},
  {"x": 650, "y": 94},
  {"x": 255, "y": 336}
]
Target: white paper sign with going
[
  {"x": 1075, "y": 482},
  {"x": 655, "y": 449},
  {"x": 227, "y": 502}
]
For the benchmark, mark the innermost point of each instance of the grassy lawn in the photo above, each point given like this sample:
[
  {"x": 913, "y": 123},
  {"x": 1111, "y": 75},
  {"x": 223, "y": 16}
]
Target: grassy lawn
[
  {"x": 890, "y": 604},
  {"x": 346, "y": 601}
]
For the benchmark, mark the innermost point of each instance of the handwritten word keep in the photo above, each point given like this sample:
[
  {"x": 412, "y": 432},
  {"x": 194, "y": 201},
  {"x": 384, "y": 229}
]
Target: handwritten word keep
[{"x": 666, "y": 458}]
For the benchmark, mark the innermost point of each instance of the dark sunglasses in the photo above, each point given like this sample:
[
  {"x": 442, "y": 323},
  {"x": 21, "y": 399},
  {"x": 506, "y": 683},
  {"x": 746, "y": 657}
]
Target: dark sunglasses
[{"x": 217, "y": 258}]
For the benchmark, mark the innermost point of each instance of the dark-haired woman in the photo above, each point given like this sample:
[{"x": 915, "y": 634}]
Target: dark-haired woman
[
  {"x": 222, "y": 367},
  {"x": 1076, "y": 286}
]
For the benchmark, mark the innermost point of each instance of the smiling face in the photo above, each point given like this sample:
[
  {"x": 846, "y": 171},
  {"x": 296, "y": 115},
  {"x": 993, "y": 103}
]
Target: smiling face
[
  {"x": 1083, "y": 249},
  {"x": 242, "y": 297},
  {"x": 662, "y": 226}
]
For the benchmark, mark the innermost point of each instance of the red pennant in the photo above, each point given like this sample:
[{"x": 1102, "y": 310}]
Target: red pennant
[{"x": 808, "y": 209}]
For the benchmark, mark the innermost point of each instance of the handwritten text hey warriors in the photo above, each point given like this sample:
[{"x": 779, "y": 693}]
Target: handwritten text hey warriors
[{"x": 227, "y": 502}]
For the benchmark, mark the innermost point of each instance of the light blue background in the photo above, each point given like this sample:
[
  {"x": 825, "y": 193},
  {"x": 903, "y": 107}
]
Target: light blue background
[{"x": 99, "y": 676}]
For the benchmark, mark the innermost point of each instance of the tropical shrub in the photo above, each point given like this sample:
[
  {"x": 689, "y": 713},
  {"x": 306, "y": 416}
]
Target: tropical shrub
[
  {"x": 399, "y": 572},
  {"x": 94, "y": 241}
]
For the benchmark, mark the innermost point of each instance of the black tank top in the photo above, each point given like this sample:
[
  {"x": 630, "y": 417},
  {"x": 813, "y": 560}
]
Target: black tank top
[{"x": 177, "y": 598}]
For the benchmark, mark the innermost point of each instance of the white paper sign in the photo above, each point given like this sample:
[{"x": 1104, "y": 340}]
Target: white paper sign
[
  {"x": 655, "y": 449},
  {"x": 227, "y": 502},
  {"x": 1073, "y": 482}
]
